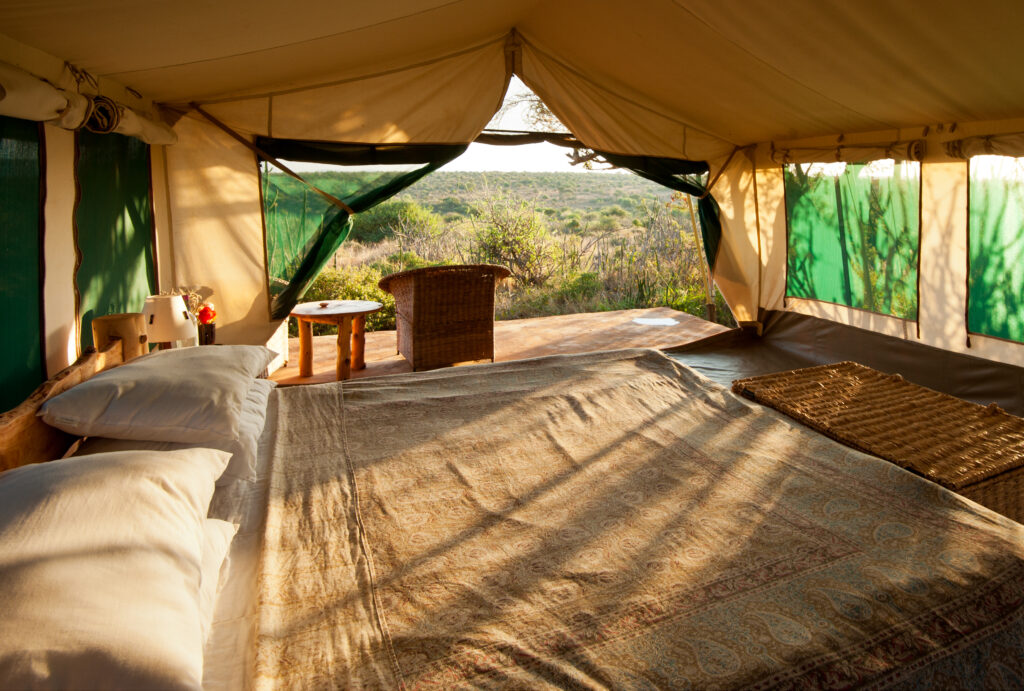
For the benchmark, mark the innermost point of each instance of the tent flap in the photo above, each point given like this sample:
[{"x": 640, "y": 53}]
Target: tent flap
[
  {"x": 993, "y": 145},
  {"x": 448, "y": 100},
  {"x": 609, "y": 117},
  {"x": 898, "y": 151}
]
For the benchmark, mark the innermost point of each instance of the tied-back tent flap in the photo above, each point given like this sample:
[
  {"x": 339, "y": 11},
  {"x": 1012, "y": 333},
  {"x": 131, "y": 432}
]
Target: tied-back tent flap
[
  {"x": 716, "y": 99},
  {"x": 328, "y": 235}
]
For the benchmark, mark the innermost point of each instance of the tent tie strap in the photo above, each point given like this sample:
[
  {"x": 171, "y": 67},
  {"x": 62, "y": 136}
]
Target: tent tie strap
[{"x": 714, "y": 180}]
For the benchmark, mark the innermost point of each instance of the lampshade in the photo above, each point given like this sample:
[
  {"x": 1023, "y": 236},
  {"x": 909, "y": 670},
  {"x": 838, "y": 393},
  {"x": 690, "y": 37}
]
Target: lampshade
[{"x": 167, "y": 319}]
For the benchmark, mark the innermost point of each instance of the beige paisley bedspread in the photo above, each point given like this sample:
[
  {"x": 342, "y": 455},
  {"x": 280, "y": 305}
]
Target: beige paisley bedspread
[{"x": 613, "y": 520}]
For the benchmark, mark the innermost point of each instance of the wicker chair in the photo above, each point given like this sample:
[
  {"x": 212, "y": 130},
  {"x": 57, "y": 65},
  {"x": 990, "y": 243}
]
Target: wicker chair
[{"x": 445, "y": 314}]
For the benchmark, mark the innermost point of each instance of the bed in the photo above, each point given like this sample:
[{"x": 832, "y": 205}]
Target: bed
[{"x": 610, "y": 520}]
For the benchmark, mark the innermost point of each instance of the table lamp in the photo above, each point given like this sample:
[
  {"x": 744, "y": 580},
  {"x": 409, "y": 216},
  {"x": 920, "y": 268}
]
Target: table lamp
[{"x": 167, "y": 319}]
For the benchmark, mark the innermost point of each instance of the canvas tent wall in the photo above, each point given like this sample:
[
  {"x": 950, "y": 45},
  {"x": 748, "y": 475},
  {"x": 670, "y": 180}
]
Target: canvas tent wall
[{"x": 729, "y": 82}]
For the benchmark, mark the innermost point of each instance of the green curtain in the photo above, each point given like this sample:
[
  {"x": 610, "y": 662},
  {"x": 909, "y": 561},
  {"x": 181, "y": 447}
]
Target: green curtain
[
  {"x": 689, "y": 177},
  {"x": 303, "y": 229},
  {"x": 114, "y": 227},
  {"x": 854, "y": 234},
  {"x": 22, "y": 366},
  {"x": 995, "y": 303}
]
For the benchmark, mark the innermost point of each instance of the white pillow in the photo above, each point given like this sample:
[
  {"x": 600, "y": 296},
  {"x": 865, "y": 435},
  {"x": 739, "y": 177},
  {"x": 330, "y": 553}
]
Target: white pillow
[
  {"x": 100, "y": 563},
  {"x": 192, "y": 395},
  {"x": 243, "y": 450},
  {"x": 217, "y": 536}
]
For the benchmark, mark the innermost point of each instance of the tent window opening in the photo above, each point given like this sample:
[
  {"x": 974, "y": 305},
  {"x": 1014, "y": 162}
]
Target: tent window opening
[
  {"x": 995, "y": 300},
  {"x": 295, "y": 215},
  {"x": 854, "y": 234},
  {"x": 303, "y": 228}
]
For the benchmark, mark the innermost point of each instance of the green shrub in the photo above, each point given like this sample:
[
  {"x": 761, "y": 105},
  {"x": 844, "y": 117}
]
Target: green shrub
[
  {"x": 584, "y": 286},
  {"x": 403, "y": 261},
  {"x": 512, "y": 234},
  {"x": 451, "y": 205},
  {"x": 388, "y": 218}
]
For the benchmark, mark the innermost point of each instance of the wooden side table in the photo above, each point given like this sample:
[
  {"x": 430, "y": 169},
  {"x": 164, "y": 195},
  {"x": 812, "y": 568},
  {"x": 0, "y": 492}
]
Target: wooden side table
[{"x": 350, "y": 316}]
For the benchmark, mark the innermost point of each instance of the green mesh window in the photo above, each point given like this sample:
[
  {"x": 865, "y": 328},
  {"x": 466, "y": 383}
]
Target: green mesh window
[
  {"x": 303, "y": 231},
  {"x": 21, "y": 358},
  {"x": 294, "y": 214},
  {"x": 114, "y": 227},
  {"x": 995, "y": 303},
  {"x": 854, "y": 234}
]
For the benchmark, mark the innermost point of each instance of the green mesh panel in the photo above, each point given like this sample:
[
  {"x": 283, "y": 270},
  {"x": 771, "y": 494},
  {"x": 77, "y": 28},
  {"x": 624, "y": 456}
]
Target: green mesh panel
[
  {"x": 995, "y": 305},
  {"x": 304, "y": 230},
  {"x": 21, "y": 360},
  {"x": 854, "y": 234},
  {"x": 295, "y": 214},
  {"x": 114, "y": 225}
]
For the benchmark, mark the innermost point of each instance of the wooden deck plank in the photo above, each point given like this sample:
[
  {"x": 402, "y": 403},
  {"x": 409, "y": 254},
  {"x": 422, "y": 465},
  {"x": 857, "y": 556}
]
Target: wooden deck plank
[{"x": 518, "y": 339}]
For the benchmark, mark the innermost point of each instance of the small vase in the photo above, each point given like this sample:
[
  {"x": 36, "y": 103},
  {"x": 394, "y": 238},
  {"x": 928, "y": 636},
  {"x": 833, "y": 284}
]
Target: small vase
[{"x": 207, "y": 334}]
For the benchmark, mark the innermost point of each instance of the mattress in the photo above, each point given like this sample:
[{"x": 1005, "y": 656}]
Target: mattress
[
  {"x": 228, "y": 655},
  {"x": 610, "y": 520}
]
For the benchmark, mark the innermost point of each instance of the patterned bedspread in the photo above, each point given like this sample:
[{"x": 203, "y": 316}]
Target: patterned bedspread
[{"x": 613, "y": 520}]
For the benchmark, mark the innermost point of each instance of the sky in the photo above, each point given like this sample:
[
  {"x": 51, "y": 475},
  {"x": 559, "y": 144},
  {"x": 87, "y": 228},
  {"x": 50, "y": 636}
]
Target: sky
[{"x": 528, "y": 157}]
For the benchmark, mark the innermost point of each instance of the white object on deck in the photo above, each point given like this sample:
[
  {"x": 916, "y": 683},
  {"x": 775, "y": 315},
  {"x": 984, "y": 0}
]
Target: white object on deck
[{"x": 655, "y": 321}]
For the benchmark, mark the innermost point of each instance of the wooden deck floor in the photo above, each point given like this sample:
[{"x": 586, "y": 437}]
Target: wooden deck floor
[{"x": 519, "y": 339}]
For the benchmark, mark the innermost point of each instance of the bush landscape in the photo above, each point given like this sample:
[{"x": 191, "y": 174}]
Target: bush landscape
[{"x": 574, "y": 242}]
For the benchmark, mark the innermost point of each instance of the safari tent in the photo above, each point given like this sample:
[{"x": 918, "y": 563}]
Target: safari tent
[
  {"x": 610, "y": 519},
  {"x": 752, "y": 94}
]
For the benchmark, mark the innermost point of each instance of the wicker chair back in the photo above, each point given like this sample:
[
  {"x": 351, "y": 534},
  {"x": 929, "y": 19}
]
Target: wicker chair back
[{"x": 445, "y": 314}]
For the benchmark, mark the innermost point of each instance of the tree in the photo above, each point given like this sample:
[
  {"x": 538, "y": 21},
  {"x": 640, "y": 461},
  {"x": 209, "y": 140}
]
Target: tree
[
  {"x": 538, "y": 117},
  {"x": 535, "y": 113}
]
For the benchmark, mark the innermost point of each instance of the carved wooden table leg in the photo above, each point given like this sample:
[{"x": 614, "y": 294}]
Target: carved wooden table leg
[
  {"x": 359, "y": 342},
  {"x": 343, "y": 367},
  {"x": 305, "y": 348}
]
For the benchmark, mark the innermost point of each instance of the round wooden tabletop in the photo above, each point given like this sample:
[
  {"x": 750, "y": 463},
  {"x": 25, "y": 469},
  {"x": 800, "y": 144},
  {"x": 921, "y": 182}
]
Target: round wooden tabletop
[{"x": 334, "y": 308}]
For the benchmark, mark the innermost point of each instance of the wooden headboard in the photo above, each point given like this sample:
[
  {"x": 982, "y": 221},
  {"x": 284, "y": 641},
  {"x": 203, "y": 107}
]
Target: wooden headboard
[{"x": 24, "y": 437}]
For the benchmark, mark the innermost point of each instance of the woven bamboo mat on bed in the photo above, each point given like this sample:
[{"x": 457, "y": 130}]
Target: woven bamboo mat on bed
[{"x": 950, "y": 441}]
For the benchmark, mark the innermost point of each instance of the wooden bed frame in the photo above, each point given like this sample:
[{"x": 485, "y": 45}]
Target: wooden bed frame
[{"x": 24, "y": 437}]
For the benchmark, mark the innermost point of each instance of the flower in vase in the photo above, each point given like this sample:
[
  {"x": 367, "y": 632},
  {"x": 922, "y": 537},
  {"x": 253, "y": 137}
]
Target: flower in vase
[{"x": 207, "y": 314}]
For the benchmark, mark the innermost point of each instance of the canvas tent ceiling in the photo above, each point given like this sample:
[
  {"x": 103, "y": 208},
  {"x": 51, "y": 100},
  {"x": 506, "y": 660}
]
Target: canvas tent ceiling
[
  {"x": 687, "y": 78},
  {"x": 696, "y": 79}
]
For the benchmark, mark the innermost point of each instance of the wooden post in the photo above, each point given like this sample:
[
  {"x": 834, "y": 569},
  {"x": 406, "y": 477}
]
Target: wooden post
[
  {"x": 130, "y": 327},
  {"x": 343, "y": 367},
  {"x": 359, "y": 342},
  {"x": 305, "y": 348},
  {"x": 709, "y": 286}
]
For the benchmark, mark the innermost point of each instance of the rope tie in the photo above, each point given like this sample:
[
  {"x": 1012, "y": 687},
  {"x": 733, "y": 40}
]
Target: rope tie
[{"x": 105, "y": 116}]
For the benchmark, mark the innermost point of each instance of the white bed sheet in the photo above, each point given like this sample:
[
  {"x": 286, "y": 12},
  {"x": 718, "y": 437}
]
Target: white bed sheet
[{"x": 227, "y": 657}]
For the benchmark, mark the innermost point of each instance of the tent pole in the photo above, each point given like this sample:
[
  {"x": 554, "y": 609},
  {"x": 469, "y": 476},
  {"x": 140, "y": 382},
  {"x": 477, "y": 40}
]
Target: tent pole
[{"x": 709, "y": 302}]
